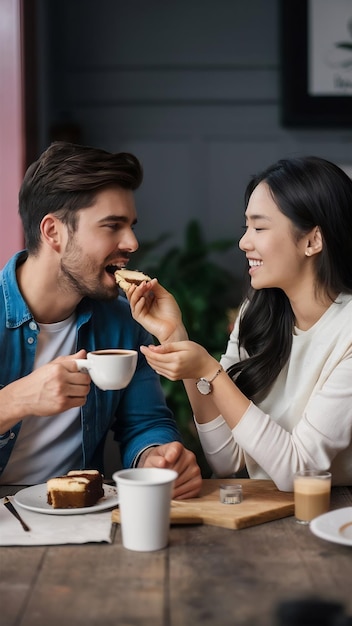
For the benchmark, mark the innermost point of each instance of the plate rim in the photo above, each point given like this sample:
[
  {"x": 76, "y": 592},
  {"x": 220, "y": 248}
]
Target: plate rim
[
  {"x": 80, "y": 511},
  {"x": 315, "y": 525}
]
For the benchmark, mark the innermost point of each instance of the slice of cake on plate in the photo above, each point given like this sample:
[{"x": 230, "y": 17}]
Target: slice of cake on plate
[{"x": 75, "y": 490}]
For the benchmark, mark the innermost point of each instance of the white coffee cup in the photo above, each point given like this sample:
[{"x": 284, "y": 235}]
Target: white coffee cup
[
  {"x": 110, "y": 368},
  {"x": 144, "y": 495}
]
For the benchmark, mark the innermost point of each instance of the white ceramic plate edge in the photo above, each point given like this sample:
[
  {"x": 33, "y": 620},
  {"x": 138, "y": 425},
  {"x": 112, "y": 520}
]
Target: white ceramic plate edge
[
  {"x": 330, "y": 526},
  {"x": 35, "y": 499}
]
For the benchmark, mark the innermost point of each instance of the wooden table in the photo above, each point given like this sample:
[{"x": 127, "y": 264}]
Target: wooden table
[{"x": 208, "y": 576}]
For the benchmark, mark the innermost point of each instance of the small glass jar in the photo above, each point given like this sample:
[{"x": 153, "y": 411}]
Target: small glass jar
[{"x": 231, "y": 494}]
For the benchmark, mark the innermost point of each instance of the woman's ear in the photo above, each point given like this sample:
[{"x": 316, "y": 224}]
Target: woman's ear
[{"x": 315, "y": 242}]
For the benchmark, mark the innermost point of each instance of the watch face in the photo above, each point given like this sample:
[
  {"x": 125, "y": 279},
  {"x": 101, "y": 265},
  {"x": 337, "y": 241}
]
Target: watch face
[{"x": 203, "y": 386}]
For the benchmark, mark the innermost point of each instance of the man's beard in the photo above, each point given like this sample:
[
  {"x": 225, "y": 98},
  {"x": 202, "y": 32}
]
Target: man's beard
[{"x": 74, "y": 278}]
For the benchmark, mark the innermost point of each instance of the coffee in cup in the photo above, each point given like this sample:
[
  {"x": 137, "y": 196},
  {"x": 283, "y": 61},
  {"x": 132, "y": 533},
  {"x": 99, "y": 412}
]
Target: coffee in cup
[
  {"x": 110, "y": 368},
  {"x": 311, "y": 494}
]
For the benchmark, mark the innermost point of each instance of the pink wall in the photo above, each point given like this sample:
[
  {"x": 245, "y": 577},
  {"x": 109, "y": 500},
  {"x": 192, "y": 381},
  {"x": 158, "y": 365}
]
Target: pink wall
[{"x": 11, "y": 128}]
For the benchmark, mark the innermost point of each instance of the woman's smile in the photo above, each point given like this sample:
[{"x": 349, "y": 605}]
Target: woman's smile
[{"x": 254, "y": 264}]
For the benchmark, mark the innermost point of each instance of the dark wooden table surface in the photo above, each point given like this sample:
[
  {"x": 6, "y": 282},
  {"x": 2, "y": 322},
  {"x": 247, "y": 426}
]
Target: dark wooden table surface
[{"x": 207, "y": 576}]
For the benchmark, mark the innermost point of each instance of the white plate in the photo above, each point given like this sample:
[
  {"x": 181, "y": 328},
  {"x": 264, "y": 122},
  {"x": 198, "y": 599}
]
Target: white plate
[
  {"x": 35, "y": 499},
  {"x": 334, "y": 526}
]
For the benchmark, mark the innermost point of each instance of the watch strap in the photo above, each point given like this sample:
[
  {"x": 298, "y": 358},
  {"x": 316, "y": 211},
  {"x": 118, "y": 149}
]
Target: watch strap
[
  {"x": 204, "y": 385},
  {"x": 221, "y": 369}
]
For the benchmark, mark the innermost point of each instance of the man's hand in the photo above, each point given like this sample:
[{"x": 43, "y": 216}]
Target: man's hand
[
  {"x": 49, "y": 390},
  {"x": 57, "y": 386},
  {"x": 175, "y": 456}
]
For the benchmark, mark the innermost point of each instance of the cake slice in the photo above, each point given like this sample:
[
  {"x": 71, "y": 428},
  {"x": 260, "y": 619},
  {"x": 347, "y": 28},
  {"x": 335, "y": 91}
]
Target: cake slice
[
  {"x": 75, "y": 490},
  {"x": 126, "y": 278}
]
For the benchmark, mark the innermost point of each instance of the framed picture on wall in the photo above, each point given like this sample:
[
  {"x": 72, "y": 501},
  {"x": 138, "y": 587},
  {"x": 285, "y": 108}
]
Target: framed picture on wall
[{"x": 316, "y": 63}]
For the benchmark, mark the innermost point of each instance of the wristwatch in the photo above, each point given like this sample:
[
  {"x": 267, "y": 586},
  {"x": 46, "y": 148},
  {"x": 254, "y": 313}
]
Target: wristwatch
[{"x": 204, "y": 386}]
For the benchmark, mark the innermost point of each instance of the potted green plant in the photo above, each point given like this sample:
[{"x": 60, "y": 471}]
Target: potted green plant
[{"x": 205, "y": 292}]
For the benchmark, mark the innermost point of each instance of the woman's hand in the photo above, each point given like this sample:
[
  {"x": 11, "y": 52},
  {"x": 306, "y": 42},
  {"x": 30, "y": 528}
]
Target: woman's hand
[
  {"x": 157, "y": 311},
  {"x": 180, "y": 360}
]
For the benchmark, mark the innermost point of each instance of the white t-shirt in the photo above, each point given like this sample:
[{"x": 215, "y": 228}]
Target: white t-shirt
[
  {"x": 48, "y": 446},
  {"x": 305, "y": 420}
]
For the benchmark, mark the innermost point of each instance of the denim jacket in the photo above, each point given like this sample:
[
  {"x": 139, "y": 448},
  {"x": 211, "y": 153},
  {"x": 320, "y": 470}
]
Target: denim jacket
[{"x": 138, "y": 414}]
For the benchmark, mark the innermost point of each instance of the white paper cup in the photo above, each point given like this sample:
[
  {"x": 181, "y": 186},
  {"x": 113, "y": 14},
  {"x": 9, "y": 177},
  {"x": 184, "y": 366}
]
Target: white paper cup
[{"x": 144, "y": 499}]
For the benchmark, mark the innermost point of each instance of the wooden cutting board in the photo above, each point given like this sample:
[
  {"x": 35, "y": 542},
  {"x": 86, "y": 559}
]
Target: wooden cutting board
[{"x": 262, "y": 502}]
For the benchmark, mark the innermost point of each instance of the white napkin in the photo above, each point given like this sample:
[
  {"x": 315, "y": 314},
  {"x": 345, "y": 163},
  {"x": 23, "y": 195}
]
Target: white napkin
[{"x": 46, "y": 530}]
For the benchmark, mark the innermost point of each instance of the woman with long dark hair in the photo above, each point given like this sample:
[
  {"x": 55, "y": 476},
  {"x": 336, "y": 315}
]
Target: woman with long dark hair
[{"x": 281, "y": 398}]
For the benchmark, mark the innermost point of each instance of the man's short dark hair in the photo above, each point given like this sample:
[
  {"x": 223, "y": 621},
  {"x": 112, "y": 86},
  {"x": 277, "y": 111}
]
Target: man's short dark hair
[{"x": 66, "y": 178}]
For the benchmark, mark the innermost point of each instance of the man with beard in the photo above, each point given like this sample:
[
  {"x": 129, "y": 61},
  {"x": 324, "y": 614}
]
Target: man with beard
[{"x": 60, "y": 300}]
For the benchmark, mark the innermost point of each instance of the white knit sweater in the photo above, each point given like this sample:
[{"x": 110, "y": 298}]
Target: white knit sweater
[{"x": 306, "y": 419}]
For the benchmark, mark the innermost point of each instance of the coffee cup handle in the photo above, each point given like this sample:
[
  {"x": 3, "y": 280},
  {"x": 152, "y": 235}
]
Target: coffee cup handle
[{"x": 83, "y": 366}]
